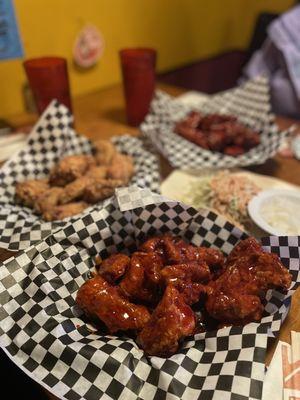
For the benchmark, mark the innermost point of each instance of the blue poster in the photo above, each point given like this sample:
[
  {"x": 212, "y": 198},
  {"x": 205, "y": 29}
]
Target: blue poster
[{"x": 10, "y": 43}]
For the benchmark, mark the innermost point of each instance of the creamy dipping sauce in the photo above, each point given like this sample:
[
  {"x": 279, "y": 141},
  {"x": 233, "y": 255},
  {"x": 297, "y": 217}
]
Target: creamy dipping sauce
[{"x": 282, "y": 213}]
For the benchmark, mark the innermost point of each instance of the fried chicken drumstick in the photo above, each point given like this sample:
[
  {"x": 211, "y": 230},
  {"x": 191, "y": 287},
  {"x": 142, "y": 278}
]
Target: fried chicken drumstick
[{"x": 152, "y": 291}]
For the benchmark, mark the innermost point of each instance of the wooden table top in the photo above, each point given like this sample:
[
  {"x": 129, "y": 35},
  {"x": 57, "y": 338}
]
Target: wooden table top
[{"x": 101, "y": 115}]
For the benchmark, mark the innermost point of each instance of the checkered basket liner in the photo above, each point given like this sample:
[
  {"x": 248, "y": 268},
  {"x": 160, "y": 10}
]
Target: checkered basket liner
[
  {"x": 249, "y": 102},
  {"x": 52, "y": 139},
  {"x": 44, "y": 332}
]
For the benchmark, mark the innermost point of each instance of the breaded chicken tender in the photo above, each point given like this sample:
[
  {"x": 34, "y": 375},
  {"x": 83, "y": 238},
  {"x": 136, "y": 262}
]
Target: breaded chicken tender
[
  {"x": 105, "y": 151},
  {"x": 28, "y": 192},
  {"x": 121, "y": 167},
  {"x": 49, "y": 199},
  {"x": 99, "y": 172},
  {"x": 70, "y": 168},
  {"x": 64, "y": 211},
  {"x": 75, "y": 190},
  {"x": 100, "y": 190}
]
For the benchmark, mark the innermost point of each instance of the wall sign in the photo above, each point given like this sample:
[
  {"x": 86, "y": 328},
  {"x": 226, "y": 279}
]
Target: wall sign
[
  {"x": 10, "y": 43},
  {"x": 88, "y": 47}
]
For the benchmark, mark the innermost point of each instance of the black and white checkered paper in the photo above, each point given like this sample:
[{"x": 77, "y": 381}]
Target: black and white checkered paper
[
  {"x": 45, "y": 333},
  {"x": 249, "y": 102},
  {"x": 52, "y": 139}
]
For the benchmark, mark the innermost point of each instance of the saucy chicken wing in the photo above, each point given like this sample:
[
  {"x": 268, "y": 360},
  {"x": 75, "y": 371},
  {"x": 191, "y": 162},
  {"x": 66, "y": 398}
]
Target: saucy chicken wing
[
  {"x": 70, "y": 168},
  {"x": 28, "y": 192},
  {"x": 213, "y": 258},
  {"x": 113, "y": 267},
  {"x": 136, "y": 284},
  {"x": 221, "y": 133},
  {"x": 171, "y": 321},
  {"x": 169, "y": 275},
  {"x": 188, "y": 279},
  {"x": 97, "y": 298},
  {"x": 235, "y": 297}
]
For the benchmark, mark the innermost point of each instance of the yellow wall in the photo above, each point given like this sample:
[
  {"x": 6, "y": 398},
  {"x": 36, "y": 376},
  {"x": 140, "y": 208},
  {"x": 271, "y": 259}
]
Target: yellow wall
[{"x": 181, "y": 30}]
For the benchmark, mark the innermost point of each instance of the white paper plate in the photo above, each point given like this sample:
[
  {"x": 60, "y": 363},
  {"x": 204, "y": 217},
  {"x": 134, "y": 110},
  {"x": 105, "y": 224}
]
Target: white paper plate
[{"x": 283, "y": 197}]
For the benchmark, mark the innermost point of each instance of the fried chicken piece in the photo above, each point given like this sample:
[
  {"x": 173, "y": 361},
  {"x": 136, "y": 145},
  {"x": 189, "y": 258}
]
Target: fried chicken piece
[
  {"x": 98, "y": 172},
  {"x": 235, "y": 296},
  {"x": 100, "y": 189},
  {"x": 176, "y": 250},
  {"x": 136, "y": 284},
  {"x": 113, "y": 267},
  {"x": 194, "y": 271},
  {"x": 29, "y": 191},
  {"x": 213, "y": 258},
  {"x": 48, "y": 199},
  {"x": 121, "y": 168},
  {"x": 75, "y": 190},
  {"x": 105, "y": 151},
  {"x": 97, "y": 298},
  {"x": 153, "y": 264},
  {"x": 154, "y": 244},
  {"x": 78, "y": 188},
  {"x": 188, "y": 279},
  {"x": 216, "y": 140},
  {"x": 64, "y": 211},
  {"x": 234, "y": 151},
  {"x": 193, "y": 119},
  {"x": 244, "y": 247},
  {"x": 70, "y": 168},
  {"x": 221, "y": 133},
  {"x": 210, "y": 121},
  {"x": 191, "y": 133},
  {"x": 171, "y": 321}
]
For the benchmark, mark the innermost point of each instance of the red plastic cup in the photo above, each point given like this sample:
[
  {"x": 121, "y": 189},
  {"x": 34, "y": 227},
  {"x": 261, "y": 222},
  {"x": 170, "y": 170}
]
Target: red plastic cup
[
  {"x": 48, "y": 79},
  {"x": 138, "y": 69}
]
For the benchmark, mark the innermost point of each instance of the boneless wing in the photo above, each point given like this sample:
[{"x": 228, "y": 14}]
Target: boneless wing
[
  {"x": 29, "y": 191},
  {"x": 75, "y": 190},
  {"x": 188, "y": 278},
  {"x": 171, "y": 321},
  {"x": 48, "y": 199},
  {"x": 235, "y": 297},
  {"x": 97, "y": 298},
  {"x": 100, "y": 189},
  {"x": 105, "y": 151},
  {"x": 113, "y": 267},
  {"x": 135, "y": 284},
  {"x": 121, "y": 168},
  {"x": 70, "y": 168}
]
